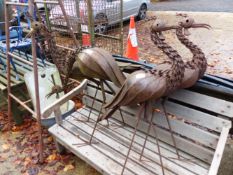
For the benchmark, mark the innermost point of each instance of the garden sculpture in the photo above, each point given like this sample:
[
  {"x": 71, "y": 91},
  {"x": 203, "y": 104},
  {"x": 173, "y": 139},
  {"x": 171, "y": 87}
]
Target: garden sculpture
[
  {"x": 91, "y": 63},
  {"x": 194, "y": 69},
  {"x": 145, "y": 86}
]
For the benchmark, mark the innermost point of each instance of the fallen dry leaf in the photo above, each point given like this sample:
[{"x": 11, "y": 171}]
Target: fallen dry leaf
[
  {"x": 52, "y": 157},
  {"x": 68, "y": 167},
  {"x": 5, "y": 147}
]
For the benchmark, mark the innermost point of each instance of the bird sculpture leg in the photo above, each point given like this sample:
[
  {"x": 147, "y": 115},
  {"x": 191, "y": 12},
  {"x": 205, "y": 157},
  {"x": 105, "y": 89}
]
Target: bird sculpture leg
[
  {"x": 92, "y": 104},
  {"x": 93, "y": 132},
  {"x": 169, "y": 125},
  {"x": 142, "y": 108},
  {"x": 150, "y": 109},
  {"x": 54, "y": 83},
  {"x": 114, "y": 93}
]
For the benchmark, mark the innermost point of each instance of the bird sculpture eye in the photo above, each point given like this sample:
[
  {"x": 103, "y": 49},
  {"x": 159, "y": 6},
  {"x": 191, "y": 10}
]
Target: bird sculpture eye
[{"x": 187, "y": 21}]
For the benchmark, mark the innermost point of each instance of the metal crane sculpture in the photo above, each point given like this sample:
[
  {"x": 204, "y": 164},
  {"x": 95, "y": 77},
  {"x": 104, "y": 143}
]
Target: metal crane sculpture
[
  {"x": 195, "y": 68},
  {"x": 91, "y": 63},
  {"x": 145, "y": 86}
]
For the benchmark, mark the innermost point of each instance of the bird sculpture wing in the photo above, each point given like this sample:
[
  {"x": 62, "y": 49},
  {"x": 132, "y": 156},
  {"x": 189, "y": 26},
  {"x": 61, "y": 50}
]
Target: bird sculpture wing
[
  {"x": 138, "y": 87},
  {"x": 98, "y": 63}
]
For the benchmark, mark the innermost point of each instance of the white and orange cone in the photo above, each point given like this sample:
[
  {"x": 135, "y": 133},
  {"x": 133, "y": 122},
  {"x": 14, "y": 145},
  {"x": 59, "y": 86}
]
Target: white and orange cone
[{"x": 132, "y": 43}]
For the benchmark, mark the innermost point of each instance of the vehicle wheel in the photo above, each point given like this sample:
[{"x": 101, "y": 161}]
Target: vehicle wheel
[
  {"x": 101, "y": 23},
  {"x": 142, "y": 12}
]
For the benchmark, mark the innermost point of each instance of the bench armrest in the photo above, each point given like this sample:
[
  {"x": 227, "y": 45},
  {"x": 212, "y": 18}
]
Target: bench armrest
[{"x": 57, "y": 104}]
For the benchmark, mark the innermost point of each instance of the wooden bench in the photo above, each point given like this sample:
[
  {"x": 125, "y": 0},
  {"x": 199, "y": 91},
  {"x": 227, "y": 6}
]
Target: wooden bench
[{"x": 201, "y": 124}]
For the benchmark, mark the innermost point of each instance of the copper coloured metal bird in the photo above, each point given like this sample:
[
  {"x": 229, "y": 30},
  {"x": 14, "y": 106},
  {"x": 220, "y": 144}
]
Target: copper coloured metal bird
[
  {"x": 145, "y": 86},
  {"x": 195, "y": 68}
]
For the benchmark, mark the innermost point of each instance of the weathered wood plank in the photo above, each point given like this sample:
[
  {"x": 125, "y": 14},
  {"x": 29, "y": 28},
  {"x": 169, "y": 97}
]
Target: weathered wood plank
[
  {"x": 47, "y": 111},
  {"x": 151, "y": 141},
  {"x": 124, "y": 135},
  {"x": 219, "y": 152},
  {"x": 182, "y": 143},
  {"x": 91, "y": 155},
  {"x": 212, "y": 104},
  {"x": 178, "y": 126},
  {"x": 115, "y": 150}
]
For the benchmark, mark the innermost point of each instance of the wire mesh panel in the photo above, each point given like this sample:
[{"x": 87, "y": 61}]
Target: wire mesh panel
[
  {"x": 100, "y": 18},
  {"x": 108, "y": 24}
]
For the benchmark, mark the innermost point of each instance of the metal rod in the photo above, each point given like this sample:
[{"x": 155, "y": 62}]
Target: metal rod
[
  {"x": 107, "y": 36},
  {"x": 25, "y": 102},
  {"x": 169, "y": 126},
  {"x": 68, "y": 23},
  {"x": 8, "y": 65},
  {"x": 47, "y": 2},
  {"x": 20, "y": 59},
  {"x": 79, "y": 23},
  {"x": 22, "y": 104},
  {"x": 35, "y": 71},
  {"x": 47, "y": 15},
  {"x": 142, "y": 107},
  {"x": 91, "y": 22},
  {"x": 15, "y": 3},
  {"x": 121, "y": 30},
  {"x": 64, "y": 47}
]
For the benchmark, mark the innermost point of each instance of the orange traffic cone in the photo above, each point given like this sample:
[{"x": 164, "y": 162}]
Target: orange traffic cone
[
  {"x": 132, "y": 43},
  {"x": 86, "y": 40}
]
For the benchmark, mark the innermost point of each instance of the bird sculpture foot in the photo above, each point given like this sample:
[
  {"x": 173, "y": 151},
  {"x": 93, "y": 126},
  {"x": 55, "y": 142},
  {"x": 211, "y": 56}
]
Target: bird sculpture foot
[{"x": 85, "y": 142}]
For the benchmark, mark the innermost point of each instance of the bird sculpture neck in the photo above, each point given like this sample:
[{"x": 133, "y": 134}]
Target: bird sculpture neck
[
  {"x": 47, "y": 41},
  {"x": 199, "y": 60},
  {"x": 175, "y": 74}
]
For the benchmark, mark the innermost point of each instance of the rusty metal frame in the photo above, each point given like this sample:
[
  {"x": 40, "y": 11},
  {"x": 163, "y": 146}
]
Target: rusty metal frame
[
  {"x": 11, "y": 96},
  {"x": 37, "y": 112}
]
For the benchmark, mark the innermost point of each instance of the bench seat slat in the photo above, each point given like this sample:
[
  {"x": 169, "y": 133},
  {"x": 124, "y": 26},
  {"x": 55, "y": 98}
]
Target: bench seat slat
[
  {"x": 198, "y": 167},
  {"x": 89, "y": 154},
  {"x": 105, "y": 136},
  {"x": 114, "y": 149}
]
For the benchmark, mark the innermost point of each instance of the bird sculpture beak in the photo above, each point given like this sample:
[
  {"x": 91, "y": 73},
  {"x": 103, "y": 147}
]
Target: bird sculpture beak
[
  {"x": 165, "y": 28},
  {"x": 196, "y": 25},
  {"x": 201, "y": 25}
]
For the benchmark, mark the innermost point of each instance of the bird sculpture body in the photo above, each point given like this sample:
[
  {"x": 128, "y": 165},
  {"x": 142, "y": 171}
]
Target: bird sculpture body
[
  {"x": 91, "y": 63},
  {"x": 144, "y": 86},
  {"x": 195, "y": 68},
  {"x": 98, "y": 63}
]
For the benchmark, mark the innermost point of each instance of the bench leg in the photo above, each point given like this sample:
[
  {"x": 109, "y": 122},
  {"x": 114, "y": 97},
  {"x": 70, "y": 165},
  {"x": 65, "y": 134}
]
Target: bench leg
[{"x": 60, "y": 149}]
